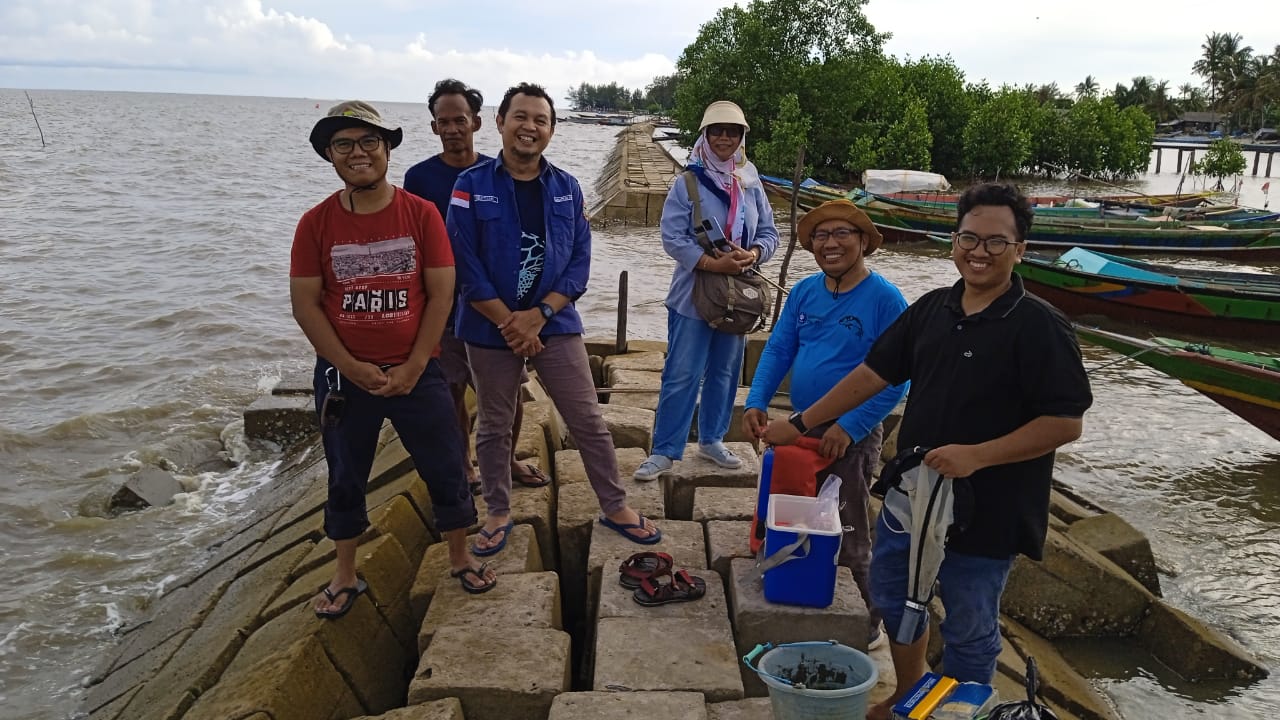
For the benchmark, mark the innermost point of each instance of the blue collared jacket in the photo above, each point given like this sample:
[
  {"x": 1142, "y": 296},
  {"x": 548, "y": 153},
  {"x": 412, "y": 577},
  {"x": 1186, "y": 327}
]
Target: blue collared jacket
[
  {"x": 484, "y": 227},
  {"x": 682, "y": 246}
]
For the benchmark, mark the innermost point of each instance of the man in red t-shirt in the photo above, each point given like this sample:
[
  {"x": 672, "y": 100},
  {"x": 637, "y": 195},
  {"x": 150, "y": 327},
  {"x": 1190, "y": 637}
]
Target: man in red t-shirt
[{"x": 371, "y": 283}]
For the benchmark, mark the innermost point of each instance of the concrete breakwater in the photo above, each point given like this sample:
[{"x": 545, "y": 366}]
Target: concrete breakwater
[{"x": 559, "y": 638}]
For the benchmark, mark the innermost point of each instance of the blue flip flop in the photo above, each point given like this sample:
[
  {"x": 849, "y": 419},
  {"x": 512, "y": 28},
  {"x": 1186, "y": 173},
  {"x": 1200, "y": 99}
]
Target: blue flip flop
[
  {"x": 487, "y": 535},
  {"x": 622, "y": 528}
]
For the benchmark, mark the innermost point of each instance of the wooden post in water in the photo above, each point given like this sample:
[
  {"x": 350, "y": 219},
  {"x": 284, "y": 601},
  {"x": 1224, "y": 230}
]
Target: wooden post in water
[
  {"x": 1159, "y": 157},
  {"x": 1257, "y": 158},
  {"x": 33, "y": 116},
  {"x": 1269, "y": 156},
  {"x": 1179, "y": 159},
  {"x": 791, "y": 241},
  {"x": 620, "y": 343},
  {"x": 1191, "y": 159}
]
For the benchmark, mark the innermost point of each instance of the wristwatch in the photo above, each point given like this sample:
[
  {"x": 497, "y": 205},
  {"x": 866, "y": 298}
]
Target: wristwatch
[
  {"x": 797, "y": 421},
  {"x": 547, "y": 311}
]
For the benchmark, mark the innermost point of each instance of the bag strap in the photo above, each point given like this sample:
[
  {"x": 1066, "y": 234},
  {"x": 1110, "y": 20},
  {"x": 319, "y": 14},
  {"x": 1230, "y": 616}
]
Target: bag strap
[
  {"x": 784, "y": 554},
  {"x": 700, "y": 226}
]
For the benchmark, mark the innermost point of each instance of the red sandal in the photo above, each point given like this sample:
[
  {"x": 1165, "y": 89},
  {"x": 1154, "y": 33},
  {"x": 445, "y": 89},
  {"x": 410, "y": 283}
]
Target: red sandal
[
  {"x": 642, "y": 565},
  {"x": 682, "y": 587}
]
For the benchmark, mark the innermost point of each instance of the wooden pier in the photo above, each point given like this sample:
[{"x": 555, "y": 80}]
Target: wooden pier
[
  {"x": 633, "y": 186},
  {"x": 1258, "y": 150}
]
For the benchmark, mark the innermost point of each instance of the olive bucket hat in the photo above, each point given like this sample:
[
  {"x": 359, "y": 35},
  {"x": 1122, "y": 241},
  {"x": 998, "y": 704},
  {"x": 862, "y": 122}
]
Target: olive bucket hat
[
  {"x": 723, "y": 111},
  {"x": 838, "y": 210},
  {"x": 353, "y": 113}
]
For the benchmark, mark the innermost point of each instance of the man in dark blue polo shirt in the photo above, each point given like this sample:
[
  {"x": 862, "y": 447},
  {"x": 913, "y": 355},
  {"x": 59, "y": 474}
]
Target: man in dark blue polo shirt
[{"x": 997, "y": 384}]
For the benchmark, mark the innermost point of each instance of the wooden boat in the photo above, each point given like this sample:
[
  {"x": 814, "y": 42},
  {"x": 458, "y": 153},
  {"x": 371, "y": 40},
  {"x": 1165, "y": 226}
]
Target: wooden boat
[
  {"x": 1203, "y": 302},
  {"x": 1247, "y": 384},
  {"x": 901, "y": 222}
]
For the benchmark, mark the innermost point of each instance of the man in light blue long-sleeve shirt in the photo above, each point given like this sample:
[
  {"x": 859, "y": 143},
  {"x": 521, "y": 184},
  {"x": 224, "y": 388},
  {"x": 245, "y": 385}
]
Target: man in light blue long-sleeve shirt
[{"x": 828, "y": 324}]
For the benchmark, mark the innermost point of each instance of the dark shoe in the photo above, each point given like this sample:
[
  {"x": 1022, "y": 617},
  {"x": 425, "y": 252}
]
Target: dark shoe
[
  {"x": 643, "y": 565},
  {"x": 682, "y": 587},
  {"x": 624, "y": 528},
  {"x": 479, "y": 585},
  {"x": 488, "y": 535},
  {"x": 349, "y": 593}
]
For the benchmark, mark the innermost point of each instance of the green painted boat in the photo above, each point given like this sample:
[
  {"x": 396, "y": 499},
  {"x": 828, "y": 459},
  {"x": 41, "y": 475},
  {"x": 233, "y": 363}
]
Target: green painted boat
[{"x": 1247, "y": 384}]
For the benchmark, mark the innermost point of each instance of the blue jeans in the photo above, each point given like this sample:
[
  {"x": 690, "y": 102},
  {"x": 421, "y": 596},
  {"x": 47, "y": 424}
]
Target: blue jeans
[
  {"x": 425, "y": 422},
  {"x": 970, "y": 590},
  {"x": 697, "y": 357}
]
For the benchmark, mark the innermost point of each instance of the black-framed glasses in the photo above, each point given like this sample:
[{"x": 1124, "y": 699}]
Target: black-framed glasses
[
  {"x": 734, "y": 131},
  {"x": 994, "y": 244},
  {"x": 344, "y": 146},
  {"x": 840, "y": 234}
]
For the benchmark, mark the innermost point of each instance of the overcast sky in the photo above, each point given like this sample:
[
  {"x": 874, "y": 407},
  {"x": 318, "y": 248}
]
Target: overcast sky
[{"x": 396, "y": 49}]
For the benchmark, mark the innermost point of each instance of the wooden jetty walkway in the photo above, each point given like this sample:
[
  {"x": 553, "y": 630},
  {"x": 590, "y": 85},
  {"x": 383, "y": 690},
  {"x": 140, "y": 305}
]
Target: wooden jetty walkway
[
  {"x": 635, "y": 180},
  {"x": 1258, "y": 150}
]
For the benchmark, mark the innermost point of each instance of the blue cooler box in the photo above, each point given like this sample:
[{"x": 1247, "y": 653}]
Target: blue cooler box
[{"x": 808, "y": 578}]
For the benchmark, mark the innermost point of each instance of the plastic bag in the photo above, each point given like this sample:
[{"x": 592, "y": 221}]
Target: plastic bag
[
  {"x": 825, "y": 514},
  {"x": 1027, "y": 709}
]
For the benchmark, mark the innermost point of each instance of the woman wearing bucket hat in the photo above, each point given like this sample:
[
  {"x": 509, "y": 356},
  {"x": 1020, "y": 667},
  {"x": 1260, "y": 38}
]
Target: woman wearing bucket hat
[
  {"x": 732, "y": 201},
  {"x": 827, "y": 327}
]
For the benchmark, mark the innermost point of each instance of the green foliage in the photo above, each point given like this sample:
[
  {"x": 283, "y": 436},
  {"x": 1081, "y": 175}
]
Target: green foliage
[
  {"x": 661, "y": 93},
  {"x": 757, "y": 55},
  {"x": 1129, "y": 144},
  {"x": 777, "y": 156},
  {"x": 940, "y": 84},
  {"x": 907, "y": 143},
  {"x": 862, "y": 155},
  {"x": 996, "y": 139},
  {"x": 1222, "y": 159},
  {"x": 604, "y": 97}
]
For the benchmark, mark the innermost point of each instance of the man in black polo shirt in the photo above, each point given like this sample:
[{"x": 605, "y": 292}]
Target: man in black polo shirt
[{"x": 997, "y": 385}]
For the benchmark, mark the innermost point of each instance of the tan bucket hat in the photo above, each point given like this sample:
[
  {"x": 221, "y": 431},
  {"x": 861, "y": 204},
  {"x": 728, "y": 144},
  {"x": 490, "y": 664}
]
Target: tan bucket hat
[
  {"x": 723, "y": 111},
  {"x": 838, "y": 210},
  {"x": 353, "y": 113}
]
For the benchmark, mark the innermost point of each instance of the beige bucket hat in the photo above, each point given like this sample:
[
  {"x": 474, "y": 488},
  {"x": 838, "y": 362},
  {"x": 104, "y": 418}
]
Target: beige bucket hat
[
  {"x": 723, "y": 111},
  {"x": 353, "y": 113},
  {"x": 838, "y": 210}
]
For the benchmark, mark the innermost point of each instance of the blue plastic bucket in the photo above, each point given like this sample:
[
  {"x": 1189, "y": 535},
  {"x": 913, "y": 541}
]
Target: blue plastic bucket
[{"x": 815, "y": 680}]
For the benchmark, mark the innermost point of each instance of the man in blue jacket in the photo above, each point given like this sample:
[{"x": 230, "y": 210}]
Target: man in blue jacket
[
  {"x": 824, "y": 331},
  {"x": 522, "y": 244}
]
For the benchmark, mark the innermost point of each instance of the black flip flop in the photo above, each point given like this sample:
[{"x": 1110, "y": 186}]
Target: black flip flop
[
  {"x": 350, "y": 593},
  {"x": 478, "y": 574}
]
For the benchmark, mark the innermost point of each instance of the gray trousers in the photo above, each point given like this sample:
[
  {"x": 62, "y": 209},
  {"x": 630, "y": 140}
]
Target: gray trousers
[{"x": 565, "y": 372}]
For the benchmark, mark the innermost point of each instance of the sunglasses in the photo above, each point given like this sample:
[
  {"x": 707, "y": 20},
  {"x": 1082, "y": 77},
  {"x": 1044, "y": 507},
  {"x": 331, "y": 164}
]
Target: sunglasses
[{"x": 733, "y": 131}]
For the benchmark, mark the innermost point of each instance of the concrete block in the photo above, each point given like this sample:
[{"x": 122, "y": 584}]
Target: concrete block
[
  {"x": 613, "y": 705},
  {"x": 521, "y": 555},
  {"x": 756, "y": 620},
  {"x": 522, "y": 600},
  {"x": 1065, "y": 508},
  {"x": 646, "y": 498},
  {"x": 642, "y": 361},
  {"x": 362, "y": 648},
  {"x": 629, "y": 426},
  {"x": 1194, "y": 650},
  {"x": 297, "y": 684},
  {"x": 748, "y": 709},
  {"x": 715, "y": 503},
  {"x": 113, "y": 709},
  {"x": 687, "y": 655},
  {"x": 296, "y": 382},
  {"x": 1059, "y": 681},
  {"x": 310, "y": 502},
  {"x": 495, "y": 672},
  {"x": 542, "y": 412},
  {"x": 149, "y": 487},
  {"x": 282, "y": 419},
  {"x": 642, "y": 388},
  {"x": 727, "y": 540},
  {"x": 397, "y": 518},
  {"x": 531, "y": 444},
  {"x": 200, "y": 661},
  {"x": 602, "y": 346},
  {"x": 387, "y": 570},
  {"x": 392, "y": 462},
  {"x": 615, "y": 600},
  {"x": 683, "y": 541},
  {"x": 446, "y": 709},
  {"x": 639, "y": 346},
  {"x": 695, "y": 472},
  {"x": 596, "y": 363},
  {"x": 533, "y": 507},
  {"x": 1122, "y": 544},
  {"x": 131, "y": 675}
]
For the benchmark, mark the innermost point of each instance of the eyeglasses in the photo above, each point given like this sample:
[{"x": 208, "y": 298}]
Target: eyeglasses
[
  {"x": 995, "y": 244},
  {"x": 724, "y": 129},
  {"x": 840, "y": 234},
  {"x": 344, "y": 146}
]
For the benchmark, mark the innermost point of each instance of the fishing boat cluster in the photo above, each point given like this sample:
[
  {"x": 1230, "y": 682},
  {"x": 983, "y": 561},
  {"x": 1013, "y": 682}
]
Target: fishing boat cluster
[{"x": 1078, "y": 258}]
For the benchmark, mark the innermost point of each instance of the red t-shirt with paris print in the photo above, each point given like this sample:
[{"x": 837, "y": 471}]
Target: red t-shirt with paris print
[{"x": 372, "y": 267}]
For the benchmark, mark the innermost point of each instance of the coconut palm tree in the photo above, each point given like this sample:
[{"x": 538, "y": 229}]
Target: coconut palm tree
[
  {"x": 1088, "y": 87},
  {"x": 1191, "y": 98},
  {"x": 1158, "y": 105},
  {"x": 1221, "y": 60}
]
